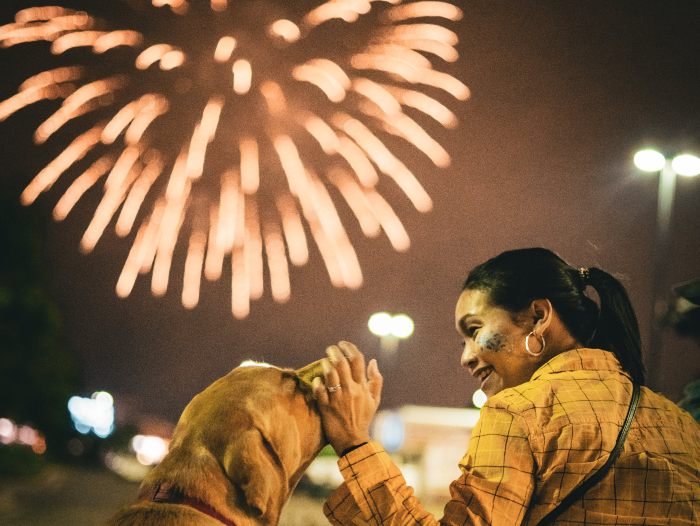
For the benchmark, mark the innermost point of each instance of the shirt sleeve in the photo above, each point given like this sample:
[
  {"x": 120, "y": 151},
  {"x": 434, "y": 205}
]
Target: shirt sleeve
[
  {"x": 374, "y": 492},
  {"x": 495, "y": 486}
]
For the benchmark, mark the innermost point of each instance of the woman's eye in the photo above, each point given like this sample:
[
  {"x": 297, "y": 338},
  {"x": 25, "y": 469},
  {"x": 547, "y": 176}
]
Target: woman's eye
[{"x": 471, "y": 331}]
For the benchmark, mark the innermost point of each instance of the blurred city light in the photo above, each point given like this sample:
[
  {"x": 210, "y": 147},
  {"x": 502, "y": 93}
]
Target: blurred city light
[
  {"x": 324, "y": 472},
  {"x": 149, "y": 449},
  {"x": 479, "y": 398},
  {"x": 383, "y": 324},
  {"x": 94, "y": 414},
  {"x": 686, "y": 164},
  {"x": 401, "y": 326},
  {"x": 8, "y": 431},
  {"x": 649, "y": 160},
  {"x": 11, "y": 433},
  {"x": 126, "y": 465},
  {"x": 380, "y": 323},
  {"x": 389, "y": 430}
]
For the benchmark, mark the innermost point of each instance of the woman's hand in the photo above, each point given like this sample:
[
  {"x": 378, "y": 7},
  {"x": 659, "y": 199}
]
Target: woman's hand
[{"x": 348, "y": 396}]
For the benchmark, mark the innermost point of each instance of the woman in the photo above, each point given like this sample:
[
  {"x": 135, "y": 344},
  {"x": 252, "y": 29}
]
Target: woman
[{"x": 559, "y": 371}]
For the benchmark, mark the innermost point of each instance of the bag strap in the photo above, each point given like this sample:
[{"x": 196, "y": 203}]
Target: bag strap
[{"x": 577, "y": 493}]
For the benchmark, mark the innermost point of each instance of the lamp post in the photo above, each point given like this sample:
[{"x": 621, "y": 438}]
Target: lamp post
[
  {"x": 686, "y": 165},
  {"x": 390, "y": 329}
]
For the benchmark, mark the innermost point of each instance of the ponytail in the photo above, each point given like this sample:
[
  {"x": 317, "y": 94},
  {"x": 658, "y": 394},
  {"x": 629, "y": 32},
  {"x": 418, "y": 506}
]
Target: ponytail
[{"x": 617, "y": 329}]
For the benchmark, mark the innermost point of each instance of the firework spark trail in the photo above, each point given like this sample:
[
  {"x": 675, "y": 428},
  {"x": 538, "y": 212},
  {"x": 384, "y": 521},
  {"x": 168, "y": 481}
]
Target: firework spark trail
[{"x": 245, "y": 179}]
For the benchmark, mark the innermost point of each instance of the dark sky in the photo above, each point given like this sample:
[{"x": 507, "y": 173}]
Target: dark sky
[{"x": 563, "y": 93}]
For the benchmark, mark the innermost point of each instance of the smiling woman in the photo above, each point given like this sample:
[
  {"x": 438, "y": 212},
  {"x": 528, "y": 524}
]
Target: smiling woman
[{"x": 566, "y": 417}]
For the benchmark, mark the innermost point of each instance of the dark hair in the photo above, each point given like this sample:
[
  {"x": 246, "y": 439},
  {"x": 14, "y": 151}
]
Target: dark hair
[{"x": 515, "y": 278}]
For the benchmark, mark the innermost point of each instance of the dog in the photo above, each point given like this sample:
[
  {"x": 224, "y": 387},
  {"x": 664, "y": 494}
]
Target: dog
[{"x": 237, "y": 452}]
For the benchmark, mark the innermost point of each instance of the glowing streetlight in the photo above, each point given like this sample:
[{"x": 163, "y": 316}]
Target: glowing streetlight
[
  {"x": 380, "y": 324},
  {"x": 401, "y": 326},
  {"x": 390, "y": 329},
  {"x": 686, "y": 165},
  {"x": 384, "y": 324},
  {"x": 649, "y": 160},
  {"x": 652, "y": 161}
]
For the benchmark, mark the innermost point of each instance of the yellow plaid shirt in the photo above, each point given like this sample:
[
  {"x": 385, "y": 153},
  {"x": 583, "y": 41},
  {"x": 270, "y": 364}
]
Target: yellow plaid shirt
[{"x": 534, "y": 444}]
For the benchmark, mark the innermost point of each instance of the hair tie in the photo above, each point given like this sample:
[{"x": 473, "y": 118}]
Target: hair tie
[{"x": 585, "y": 275}]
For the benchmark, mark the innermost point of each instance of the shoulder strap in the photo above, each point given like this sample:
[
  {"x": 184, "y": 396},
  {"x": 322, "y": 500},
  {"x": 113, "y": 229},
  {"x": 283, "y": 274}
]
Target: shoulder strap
[{"x": 577, "y": 493}]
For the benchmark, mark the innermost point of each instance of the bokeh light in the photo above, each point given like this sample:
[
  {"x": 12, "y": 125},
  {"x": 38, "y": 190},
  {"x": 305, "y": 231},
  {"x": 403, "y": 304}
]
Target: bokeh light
[
  {"x": 240, "y": 143},
  {"x": 402, "y": 326},
  {"x": 686, "y": 164},
  {"x": 149, "y": 449},
  {"x": 380, "y": 323},
  {"x": 649, "y": 160},
  {"x": 389, "y": 429},
  {"x": 8, "y": 431},
  {"x": 384, "y": 324},
  {"x": 479, "y": 398},
  {"x": 23, "y": 435},
  {"x": 94, "y": 414}
]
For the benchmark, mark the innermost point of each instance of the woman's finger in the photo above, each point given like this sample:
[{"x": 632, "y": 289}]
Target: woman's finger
[
  {"x": 356, "y": 360},
  {"x": 340, "y": 365},
  {"x": 320, "y": 391},
  {"x": 375, "y": 380},
  {"x": 331, "y": 378}
]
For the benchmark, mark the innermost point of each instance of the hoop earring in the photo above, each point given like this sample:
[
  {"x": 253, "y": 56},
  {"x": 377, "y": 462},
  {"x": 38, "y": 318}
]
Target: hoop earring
[{"x": 540, "y": 338}]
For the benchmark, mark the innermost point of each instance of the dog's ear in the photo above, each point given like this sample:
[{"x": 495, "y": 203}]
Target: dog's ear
[
  {"x": 249, "y": 465},
  {"x": 307, "y": 374}
]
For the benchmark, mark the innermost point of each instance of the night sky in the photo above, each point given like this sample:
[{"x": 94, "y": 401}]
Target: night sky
[{"x": 563, "y": 93}]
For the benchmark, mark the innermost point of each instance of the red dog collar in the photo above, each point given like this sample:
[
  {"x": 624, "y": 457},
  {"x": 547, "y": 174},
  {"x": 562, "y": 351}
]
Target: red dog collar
[{"x": 167, "y": 493}]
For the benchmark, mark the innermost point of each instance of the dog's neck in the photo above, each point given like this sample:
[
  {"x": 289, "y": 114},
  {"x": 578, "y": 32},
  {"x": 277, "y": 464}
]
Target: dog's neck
[
  {"x": 169, "y": 494},
  {"x": 230, "y": 506}
]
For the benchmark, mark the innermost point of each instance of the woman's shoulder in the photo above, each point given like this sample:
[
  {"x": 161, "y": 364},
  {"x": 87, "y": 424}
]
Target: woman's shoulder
[
  {"x": 568, "y": 396},
  {"x": 525, "y": 399},
  {"x": 656, "y": 410}
]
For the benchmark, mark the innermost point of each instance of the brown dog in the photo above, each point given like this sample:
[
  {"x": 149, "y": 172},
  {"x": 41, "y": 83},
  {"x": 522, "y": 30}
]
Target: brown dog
[{"x": 238, "y": 451}]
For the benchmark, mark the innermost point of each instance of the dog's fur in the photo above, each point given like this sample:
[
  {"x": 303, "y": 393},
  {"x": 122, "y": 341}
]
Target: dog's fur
[{"x": 240, "y": 447}]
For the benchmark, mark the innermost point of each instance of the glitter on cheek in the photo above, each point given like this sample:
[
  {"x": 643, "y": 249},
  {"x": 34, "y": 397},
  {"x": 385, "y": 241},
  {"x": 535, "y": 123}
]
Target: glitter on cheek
[{"x": 493, "y": 342}]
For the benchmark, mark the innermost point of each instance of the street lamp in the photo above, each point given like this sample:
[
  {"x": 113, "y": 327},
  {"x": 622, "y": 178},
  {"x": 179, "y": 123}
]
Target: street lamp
[
  {"x": 390, "y": 329},
  {"x": 686, "y": 165}
]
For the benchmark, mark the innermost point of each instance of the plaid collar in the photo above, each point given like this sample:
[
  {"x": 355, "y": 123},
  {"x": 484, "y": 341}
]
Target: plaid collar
[{"x": 580, "y": 360}]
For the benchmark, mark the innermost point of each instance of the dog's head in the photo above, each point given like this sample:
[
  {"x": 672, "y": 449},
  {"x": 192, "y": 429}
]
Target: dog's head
[{"x": 263, "y": 427}]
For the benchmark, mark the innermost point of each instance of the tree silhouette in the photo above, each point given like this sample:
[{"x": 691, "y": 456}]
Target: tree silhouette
[{"x": 38, "y": 372}]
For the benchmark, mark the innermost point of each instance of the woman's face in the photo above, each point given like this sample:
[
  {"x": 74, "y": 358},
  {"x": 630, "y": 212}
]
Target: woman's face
[{"x": 494, "y": 344}]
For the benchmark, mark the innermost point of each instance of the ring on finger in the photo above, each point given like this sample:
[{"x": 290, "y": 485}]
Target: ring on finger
[{"x": 334, "y": 388}]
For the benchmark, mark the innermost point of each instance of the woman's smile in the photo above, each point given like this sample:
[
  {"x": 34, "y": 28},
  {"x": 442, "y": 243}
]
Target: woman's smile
[{"x": 483, "y": 374}]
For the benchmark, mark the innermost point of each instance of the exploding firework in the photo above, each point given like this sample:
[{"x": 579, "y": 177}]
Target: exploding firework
[{"x": 228, "y": 126}]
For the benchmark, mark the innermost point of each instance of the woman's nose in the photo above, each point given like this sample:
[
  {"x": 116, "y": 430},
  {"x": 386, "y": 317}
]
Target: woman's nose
[{"x": 469, "y": 359}]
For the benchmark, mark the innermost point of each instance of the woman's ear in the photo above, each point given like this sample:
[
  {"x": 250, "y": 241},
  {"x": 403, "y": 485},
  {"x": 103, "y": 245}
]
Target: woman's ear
[{"x": 542, "y": 313}]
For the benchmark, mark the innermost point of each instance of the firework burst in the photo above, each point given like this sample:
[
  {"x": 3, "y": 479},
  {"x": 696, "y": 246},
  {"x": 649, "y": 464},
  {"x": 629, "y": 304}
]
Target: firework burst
[{"x": 227, "y": 126}]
